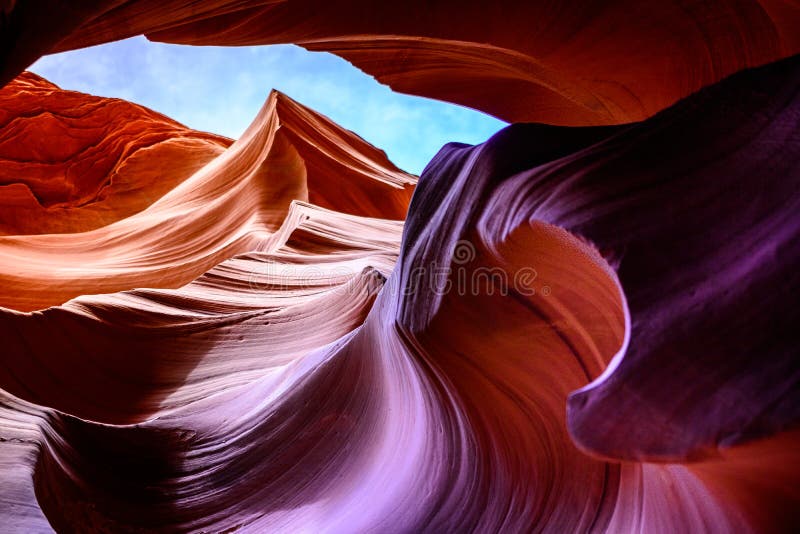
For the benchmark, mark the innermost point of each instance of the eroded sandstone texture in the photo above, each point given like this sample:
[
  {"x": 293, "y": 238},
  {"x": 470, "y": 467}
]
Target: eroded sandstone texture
[
  {"x": 583, "y": 326},
  {"x": 71, "y": 162},
  {"x": 568, "y": 62}
]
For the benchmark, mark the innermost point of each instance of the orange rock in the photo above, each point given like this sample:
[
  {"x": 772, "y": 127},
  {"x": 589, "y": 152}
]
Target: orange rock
[
  {"x": 586, "y": 329},
  {"x": 71, "y": 162},
  {"x": 238, "y": 202},
  {"x": 570, "y": 63}
]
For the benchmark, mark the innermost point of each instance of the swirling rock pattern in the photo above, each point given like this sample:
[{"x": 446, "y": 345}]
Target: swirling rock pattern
[
  {"x": 308, "y": 276},
  {"x": 238, "y": 202},
  {"x": 565, "y": 62},
  {"x": 575, "y": 329},
  {"x": 253, "y": 398}
]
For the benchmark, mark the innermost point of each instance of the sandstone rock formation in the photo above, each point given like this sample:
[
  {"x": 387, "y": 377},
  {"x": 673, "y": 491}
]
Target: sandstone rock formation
[
  {"x": 575, "y": 329},
  {"x": 71, "y": 162},
  {"x": 238, "y": 202},
  {"x": 566, "y": 62}
]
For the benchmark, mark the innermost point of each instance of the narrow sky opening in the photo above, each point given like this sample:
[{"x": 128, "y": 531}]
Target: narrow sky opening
[{"x": 220, "y": 90}]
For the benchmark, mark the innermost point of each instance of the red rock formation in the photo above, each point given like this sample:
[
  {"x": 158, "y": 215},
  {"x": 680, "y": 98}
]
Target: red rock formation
[
  {"x": 238, "y": 202},
  {"x": 71, "y": 162},
  {"x": 309, "y": 277},
  {"x": 157, "y": 350},
  {"x": 584, "y": 329},
  {"x": 565, "y": 63},
  {"x": 253, "y": 398}
]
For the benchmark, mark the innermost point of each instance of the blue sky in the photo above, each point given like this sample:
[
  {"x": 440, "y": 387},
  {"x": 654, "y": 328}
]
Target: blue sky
[{"x": 220, "y": 89}]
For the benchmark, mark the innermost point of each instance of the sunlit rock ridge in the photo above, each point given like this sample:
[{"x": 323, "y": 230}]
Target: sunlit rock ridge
[{"x": 587, "y": 323}]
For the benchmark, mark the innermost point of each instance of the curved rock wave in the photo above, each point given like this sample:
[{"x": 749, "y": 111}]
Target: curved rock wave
[
  {"x": 238, "y": 202},
  {"x": 576, "y": 329},
  {"x": 565, "y": 63}
]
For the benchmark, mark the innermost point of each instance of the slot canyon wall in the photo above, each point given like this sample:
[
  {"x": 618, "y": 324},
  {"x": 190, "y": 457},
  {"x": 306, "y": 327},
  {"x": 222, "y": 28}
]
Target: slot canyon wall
[{"x": 587, "y": 323}]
